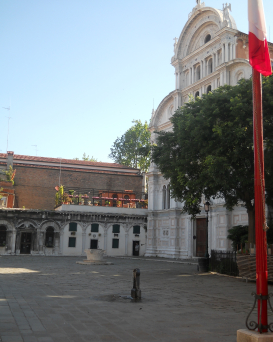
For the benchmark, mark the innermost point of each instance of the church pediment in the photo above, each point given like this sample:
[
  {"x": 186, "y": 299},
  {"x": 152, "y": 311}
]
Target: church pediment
[{"x": 203, "y": 21}]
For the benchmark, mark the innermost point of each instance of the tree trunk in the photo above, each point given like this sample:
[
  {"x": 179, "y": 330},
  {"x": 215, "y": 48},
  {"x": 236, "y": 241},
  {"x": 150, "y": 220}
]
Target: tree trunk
[{"x": 251, "y": 225}]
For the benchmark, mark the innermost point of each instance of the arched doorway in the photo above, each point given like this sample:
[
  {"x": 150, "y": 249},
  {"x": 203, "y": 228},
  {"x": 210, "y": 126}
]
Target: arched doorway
[
  {"x": 3, "y": 236},
  {"x": 49, "y": 237}
]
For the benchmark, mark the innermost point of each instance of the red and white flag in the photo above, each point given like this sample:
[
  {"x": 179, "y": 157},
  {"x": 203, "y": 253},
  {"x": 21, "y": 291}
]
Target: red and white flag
[{"x": 259, "y": 57}]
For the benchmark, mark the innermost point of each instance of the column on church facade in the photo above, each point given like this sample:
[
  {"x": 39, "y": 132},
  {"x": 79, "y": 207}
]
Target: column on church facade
[
  {"x": 226, "y": 52},
  {"x": 13, "y": 241},
  {"x": 201, "y": 69},
  {"x": 234, "y": 51},
  {"x": 189, "y": 76},
  {"x": 126, "y": 243},
  {"x": 213, "y": 63},
  {"x": 230, "y": 52},
  {"x": 179, "y": 78},
  {"x": 223, "y": 53},
  {"x": 193, "y": 71}
]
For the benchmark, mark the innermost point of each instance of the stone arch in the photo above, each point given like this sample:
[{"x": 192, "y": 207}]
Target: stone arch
[
  {"x": 47, "y": 224},
  {"x": 27, "y": 224},
  {"x": 7, "y": 224},
  {"x": 170, "y": 111},
  {"x": 239, "y": 75},
  {"x": 201, "y": 19}
]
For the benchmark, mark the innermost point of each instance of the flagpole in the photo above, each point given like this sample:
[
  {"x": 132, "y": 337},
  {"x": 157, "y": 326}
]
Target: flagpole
[{"x": 260, "y": 216}]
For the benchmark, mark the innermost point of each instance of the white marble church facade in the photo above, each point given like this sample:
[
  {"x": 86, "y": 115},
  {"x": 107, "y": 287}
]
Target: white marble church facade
[{"x": 210, "y": 52}]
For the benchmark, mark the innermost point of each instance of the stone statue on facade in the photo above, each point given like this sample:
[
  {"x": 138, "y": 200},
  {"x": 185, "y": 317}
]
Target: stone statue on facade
[
  {"x": 226, "y": 14},
  {"x": 175, "y": 44}
]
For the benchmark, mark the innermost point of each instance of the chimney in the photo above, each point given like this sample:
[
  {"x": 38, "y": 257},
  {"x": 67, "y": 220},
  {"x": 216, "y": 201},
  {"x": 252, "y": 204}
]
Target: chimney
[{"x": 10, "y": 159}]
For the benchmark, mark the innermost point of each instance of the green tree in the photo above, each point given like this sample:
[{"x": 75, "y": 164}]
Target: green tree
[
  {"x": 87, "y": 158},
  {"x": 133, "y": 147},
  {"x": 210, "y": 150}
]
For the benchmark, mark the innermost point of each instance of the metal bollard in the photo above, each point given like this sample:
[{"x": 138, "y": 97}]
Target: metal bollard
[{"x": 136, "y": 292}]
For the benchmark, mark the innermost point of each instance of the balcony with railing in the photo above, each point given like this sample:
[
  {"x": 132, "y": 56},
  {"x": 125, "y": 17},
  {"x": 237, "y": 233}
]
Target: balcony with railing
[{"x": 99, "y": 200}]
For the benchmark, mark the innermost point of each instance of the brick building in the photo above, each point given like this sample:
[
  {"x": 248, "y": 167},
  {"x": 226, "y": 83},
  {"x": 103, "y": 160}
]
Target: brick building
[{"x": 37, "y": 177}]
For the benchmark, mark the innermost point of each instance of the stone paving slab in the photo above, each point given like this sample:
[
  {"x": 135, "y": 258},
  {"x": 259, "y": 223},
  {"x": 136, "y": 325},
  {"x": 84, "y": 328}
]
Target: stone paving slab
[{"x": 45, "y": 299}]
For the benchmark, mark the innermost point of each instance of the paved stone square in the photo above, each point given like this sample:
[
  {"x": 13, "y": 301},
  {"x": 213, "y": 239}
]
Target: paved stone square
[{"x": 46, "y": 299}]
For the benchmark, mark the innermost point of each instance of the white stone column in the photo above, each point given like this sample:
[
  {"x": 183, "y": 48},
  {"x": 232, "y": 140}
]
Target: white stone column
[
  {"x": 13, "y": 242},
  {"x": 213, "y": 63},
  {"x": 223, "y": 53},
  {"x": 230, "y": 52},
  {"x": 225, "y": 77},
  {"x": 83, "y": 240},
  {"x": 126, "y": 243},
  {"x": 201, "y": 69},
  {"x": 105, "y": 239},
  {"x": 234, "y": 50},
  {"x": 226, "y": 52},
  {"x": 179, "y": 78},
  {"x": 61, "y": 241},
  {"x": 193, "y": 72},
  {"x": 216, "y": 62}
]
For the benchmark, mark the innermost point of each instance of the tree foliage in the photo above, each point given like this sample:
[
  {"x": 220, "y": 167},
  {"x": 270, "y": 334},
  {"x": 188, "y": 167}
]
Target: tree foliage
[
  {"x": 210, "y": 150},
  {"x": 87, "y": 158},
  {"x": 133, "y": 147}
]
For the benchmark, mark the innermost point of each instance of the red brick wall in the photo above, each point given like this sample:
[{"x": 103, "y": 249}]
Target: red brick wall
[{"x": 34, "y": 187}]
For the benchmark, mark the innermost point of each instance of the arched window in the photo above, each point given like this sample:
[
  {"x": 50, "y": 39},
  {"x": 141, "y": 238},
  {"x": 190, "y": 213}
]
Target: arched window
[
  {"x": 168, "y": 204},
  {"x": 198, "y": 73},
  {"x": 210, "y": 66},
  {"x": 196, "y": 94},
  {"x": 208, "y": 38},
  {"x": 208, "y": 89},
  {"x": 49, "y": 240},
  {"x": 164, "y": 197},
  {"x": 3, "y": 236}
]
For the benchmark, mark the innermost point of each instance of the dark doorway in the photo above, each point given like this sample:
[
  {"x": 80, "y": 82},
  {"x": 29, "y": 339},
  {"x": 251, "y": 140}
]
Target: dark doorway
[
  {"x": 136, "y": 247},
  {"x": 94, "y": 244},
  {"x": 201, "y": 237},
  {"x": 25, "y": 243}
]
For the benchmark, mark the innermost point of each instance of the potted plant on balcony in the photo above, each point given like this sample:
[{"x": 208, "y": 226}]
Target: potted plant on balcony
[
  {"x": 119, "y": 204},
  {"x": 107, "y": 203}
]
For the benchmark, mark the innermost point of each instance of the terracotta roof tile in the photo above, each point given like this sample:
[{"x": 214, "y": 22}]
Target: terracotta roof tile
[{"x": 65, "y": 161}]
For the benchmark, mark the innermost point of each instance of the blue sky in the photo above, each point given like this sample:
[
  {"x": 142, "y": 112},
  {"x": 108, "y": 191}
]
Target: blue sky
[{"x": 77, "y": 72}]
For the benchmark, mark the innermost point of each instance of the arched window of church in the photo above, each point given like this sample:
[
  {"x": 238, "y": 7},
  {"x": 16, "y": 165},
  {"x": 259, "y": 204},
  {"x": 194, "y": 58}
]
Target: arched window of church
[
  {"x": 198, "y": 74},
  {"x": 208, "y": 89},
  {"x": 210, "y": 66},
  {"x": 196, "y": 94},
  {"x": 208, "y": 38},
  {"x": 164, "y": 197},
  {"x": 168, "y": 195}
]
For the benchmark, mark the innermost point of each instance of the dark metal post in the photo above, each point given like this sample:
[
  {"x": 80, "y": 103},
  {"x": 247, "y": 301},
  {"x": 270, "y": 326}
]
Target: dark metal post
[{"x": 136, "y": 292}]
